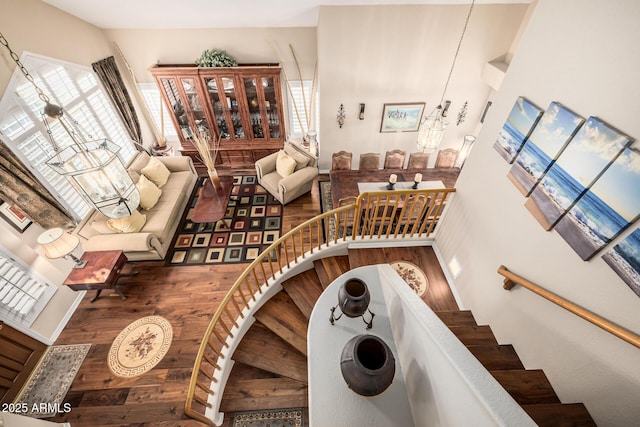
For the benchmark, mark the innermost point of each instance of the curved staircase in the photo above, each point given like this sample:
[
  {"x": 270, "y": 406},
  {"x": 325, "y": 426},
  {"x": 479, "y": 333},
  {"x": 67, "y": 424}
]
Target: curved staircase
[{"x": 270, "y": 369}]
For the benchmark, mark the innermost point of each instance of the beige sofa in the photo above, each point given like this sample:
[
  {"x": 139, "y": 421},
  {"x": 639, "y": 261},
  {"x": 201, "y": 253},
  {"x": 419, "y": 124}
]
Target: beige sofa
[
  {"x": 298, "y": 182},
  {"x": 153, "y": 240}
]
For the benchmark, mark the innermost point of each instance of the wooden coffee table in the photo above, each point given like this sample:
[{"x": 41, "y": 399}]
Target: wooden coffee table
[
  {"x": 101, "y": 272},
  {"x": 212, "y": 203}
]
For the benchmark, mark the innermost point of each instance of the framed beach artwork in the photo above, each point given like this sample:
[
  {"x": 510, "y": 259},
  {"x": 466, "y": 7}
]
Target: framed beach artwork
[
  {"x": 404, "y": 117},
  {"x": 584, "y": 159},
  {"x": 610, "y": 206},
  {"x": 521, "y": 120},
  {"x": 547, "y": 140},
  {"x": 14, "y": 217},
  {"x": 624, "y": 259}
]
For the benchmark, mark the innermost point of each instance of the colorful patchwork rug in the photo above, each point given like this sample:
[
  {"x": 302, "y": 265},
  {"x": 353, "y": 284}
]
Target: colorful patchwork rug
[{"x": 252, "y": 222}]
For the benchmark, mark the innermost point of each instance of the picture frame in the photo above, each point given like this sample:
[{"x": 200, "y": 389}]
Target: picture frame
[
  {"x": 624, "y": 259},
  {"x": 402, "y": 117},
  {"x": 14, "y": 217}
]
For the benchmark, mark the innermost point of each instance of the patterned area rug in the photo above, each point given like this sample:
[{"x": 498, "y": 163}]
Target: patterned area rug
[
  {"x": 252, "y": 222},
  {"x": 413, "y": 275},
  {"x": 274, "y": 418},
  {"x": 326, "y": 204},
  {"x": 50, "y": 382},
  {"x": 140, "y": 346}
]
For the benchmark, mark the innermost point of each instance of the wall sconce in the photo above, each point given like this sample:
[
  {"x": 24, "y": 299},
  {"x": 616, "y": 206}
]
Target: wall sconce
[
  {"x": 340, "y": 117},
  {"x": 462, "y": 114},
  {"x": 361, "y": 115}
]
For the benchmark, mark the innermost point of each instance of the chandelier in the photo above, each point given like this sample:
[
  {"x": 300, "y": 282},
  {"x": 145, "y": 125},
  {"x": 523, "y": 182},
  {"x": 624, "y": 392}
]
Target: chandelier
[
  {"x": 432, "y": 128},
  {"x": 92, "y": 165}
]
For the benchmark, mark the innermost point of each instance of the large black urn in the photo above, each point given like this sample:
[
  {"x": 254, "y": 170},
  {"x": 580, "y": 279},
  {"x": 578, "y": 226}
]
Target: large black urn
[
  {"x": 367, "y": 365},
  {"x": 353, "y": 301}
]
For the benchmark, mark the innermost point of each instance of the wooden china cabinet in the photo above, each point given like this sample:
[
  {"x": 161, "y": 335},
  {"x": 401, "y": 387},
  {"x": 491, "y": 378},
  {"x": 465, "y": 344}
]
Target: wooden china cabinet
[{"x": 241, "y": 104}]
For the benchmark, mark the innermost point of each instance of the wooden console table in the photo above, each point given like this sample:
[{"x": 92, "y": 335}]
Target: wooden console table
[
  {"x": 212, "y": 203},
  {"x": 101, "y": 272}
]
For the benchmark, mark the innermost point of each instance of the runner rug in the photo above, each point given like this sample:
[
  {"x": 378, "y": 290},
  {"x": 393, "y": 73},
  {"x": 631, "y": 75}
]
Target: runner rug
[
  {"x": 252, "y": 222},
  {"x": 273, "y": 418},
  {"x": 44, "y": 394}
]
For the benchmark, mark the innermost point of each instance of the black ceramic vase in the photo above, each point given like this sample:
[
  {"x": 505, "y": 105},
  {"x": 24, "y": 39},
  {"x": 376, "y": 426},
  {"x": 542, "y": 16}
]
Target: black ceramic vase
[
  {"x": 367, "y": 365},
  {"x": 354, "y": 298}
]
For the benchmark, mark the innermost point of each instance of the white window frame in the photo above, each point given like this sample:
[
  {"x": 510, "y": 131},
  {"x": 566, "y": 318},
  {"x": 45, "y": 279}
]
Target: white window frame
[
  {"x": 75, "y": 89},
  {"x": 294, "y": 126},
  {"x": 154, "y": 102}
]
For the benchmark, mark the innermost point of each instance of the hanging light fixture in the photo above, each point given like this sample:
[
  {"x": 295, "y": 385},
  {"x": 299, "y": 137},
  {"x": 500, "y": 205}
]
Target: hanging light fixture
[
  {"x": 432, "y": 128},
  {"x": 92, "y": 165}
]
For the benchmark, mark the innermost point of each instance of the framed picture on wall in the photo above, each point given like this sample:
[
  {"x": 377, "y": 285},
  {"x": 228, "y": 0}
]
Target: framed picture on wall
[
  {"x": 14, "y": 217},
  {"x": 403, "y": 117}
]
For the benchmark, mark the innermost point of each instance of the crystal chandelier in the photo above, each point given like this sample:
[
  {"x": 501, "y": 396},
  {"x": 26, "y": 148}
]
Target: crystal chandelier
[
  {"x": 92, "y": 165},
  {"x": 432, "y": 128}
]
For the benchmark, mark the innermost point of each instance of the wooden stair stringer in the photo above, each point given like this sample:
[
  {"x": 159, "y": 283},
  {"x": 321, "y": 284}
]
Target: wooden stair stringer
[
  {"x": 265, "y": 350},
  {"x": 282, "y": 317},
  {"x": 304, "y": 290},
  {"x": 330, "y": 268}
]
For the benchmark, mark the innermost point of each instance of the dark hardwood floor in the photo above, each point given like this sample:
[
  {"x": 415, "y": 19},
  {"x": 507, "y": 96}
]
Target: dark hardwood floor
[{"x": 187, "y": 297}]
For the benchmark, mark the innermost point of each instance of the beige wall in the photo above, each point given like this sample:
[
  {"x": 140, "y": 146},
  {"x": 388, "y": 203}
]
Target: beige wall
[
  {"x": 36, "y": 27},
  {"x": 582, "y": 54},
  {"x": 385, "y": 54}
]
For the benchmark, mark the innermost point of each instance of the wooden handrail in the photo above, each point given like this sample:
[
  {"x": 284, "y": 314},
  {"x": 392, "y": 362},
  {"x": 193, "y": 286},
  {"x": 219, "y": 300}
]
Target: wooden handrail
[
  {"x": 512, "y": 279},
  {"x": 405, "y": 214}
]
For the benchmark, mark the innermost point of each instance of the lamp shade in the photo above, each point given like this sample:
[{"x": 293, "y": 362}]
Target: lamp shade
[{"x": 57, "y": 243}]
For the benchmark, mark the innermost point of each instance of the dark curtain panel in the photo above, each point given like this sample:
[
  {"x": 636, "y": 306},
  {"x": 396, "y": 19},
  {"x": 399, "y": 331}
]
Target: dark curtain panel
[
  {"x": 20, "y": 188},
  {"x": 108, "y": 72}
]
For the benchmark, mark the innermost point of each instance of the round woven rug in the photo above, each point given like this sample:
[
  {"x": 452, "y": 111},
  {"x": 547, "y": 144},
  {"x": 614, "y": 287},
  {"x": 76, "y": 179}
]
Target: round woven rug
[
  {"x": 413, "y": 275},
  {"x": 140, "y": 346}
]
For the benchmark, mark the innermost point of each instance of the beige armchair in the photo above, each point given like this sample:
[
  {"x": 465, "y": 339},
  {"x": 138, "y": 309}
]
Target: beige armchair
[{"x": 285, "y": 180}]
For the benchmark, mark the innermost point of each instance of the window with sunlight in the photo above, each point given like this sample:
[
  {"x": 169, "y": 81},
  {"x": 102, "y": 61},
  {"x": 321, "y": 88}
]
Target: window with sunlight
[{"x": 77, "y": 90}]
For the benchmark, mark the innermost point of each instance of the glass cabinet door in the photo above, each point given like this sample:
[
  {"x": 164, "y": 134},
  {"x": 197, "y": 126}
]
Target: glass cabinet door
[
  {"x": 218, "y": 110},
  {"x": 170, "y": 87},
  {"x": 196, "y": 110},
  {"x": 271, "y": 104},
  {"x": 222, "y": 95},
  {"x": 253, "y": 101}
]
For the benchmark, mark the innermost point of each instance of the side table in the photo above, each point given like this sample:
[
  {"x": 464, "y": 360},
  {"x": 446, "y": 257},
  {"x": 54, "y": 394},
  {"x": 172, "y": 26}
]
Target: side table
[{"x": 101, "y": 272}]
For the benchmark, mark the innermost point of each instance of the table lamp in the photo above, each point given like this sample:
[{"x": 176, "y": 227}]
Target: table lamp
[{"x": 57, "y": 243}]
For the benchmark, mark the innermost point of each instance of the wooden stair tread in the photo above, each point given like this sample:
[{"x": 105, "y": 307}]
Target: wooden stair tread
[
  {"x": 282, "y": 317},
  {"x": 265, "y": 350},
  {"x": 330, "y": 268},
  {"x": 559, "y": 414},
  {"x": 474, "y": 335},
  {"x": 457, "y": 317},
  {"x": 527, "y": 387},
  {"x": 263, "y": 393},
  {"x": 304, "y": 290},
  {"x": 496, "y": 357}
]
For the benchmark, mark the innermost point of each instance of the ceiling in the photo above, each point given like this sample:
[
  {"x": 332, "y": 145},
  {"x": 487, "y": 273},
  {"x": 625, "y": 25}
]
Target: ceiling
[{"x": 141, "y": 14}]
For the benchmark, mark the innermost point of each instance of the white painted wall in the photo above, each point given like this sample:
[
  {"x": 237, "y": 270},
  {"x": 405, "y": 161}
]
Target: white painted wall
[
  {"x": 386, "y": 54},
  {"x": 584, "y": 55}
]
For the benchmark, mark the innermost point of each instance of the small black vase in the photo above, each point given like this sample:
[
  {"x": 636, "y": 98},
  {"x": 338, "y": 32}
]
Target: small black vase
[
  {"x": 354, "y": 298},
  {"x": 367, "y": 365}
]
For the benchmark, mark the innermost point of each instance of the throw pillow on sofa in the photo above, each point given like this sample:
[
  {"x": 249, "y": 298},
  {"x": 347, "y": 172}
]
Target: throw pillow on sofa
[
  {"x": 128, "y": 224},
  {"x": 301, "y": 160},
  {"x": 149, "y": 193},
  {"x": 156, "y": 171},
  {"x": 285, "y": 164}
]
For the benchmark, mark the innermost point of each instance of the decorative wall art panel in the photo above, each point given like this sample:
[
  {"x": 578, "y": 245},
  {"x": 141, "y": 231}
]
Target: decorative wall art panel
[
  {"x": 606, "y": 209},
  {"x": 521, "y": 120},
  {"x": 588, "y": 154},
  {"x": 405, "y": 117},
  {"x": 547, "y": 140},
  {"x": 624, "y": 259}
]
